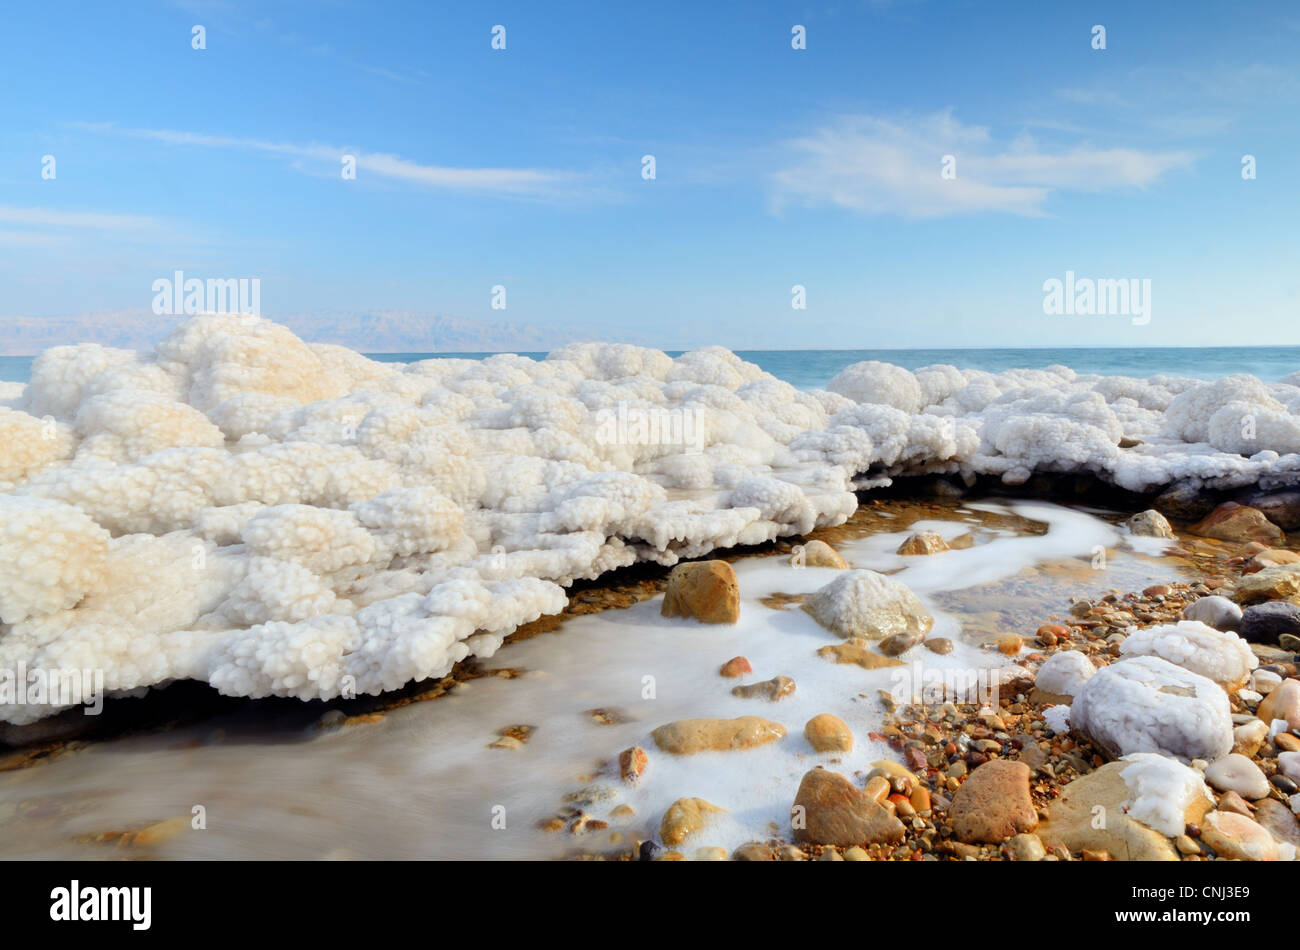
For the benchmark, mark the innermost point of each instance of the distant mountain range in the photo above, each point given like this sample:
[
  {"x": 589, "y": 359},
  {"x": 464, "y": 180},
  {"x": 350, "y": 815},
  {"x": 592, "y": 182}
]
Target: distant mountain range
[{"x": 389, "y": 331}]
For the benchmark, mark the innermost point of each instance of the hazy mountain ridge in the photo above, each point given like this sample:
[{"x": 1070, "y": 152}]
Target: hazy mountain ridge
[{"x": 389, "y": 331}]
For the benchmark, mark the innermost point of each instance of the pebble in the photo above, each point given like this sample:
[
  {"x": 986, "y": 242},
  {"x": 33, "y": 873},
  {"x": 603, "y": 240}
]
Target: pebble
[
  {"x": 736, "y": 666},
  {"x": 1287, "y": 742},
  {"x": 939, "y": 645},
  {"x": 856, "y": 854},
  {"x": 993, "y": 804},
  {"x": 1010, "y": 644},
  {"x": 705, "y": 590},
  {"x": 828, "y": 733},
  {"x": 753, "y": 851},
  {"x": 778, "y": 687},
  {"x": 632, "y": 763},
  {"x": 685, "y": 817},
  {"x": 1026, "y": 847},
  {"x": 1237, "y": 838},
  {"x": 1236, "y": 773}
]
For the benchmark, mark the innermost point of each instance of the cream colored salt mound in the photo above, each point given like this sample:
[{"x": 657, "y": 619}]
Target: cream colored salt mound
[{"x": 51, "y": 556}]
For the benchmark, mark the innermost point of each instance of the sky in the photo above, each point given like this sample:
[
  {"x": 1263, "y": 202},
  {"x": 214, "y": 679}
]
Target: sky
[{"x": 775, "y": 167}]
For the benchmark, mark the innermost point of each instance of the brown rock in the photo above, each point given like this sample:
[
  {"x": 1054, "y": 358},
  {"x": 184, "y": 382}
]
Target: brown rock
[
  {"x": 688, "y": 736},
  {"x": 778, "y": 687},
  {"x": 1272, "y": 583},
  {"x": 685, "y": 817},
  {"x": 939, "y": 645},
  {"x": 899, "y": 643},
  {"x": 1010, "y": 644},
  {"x": 993, "y": 804},
  {"x": 632, "y": 763},
  {"x": 1282, "y": 703},
  {"x": 923, "y": 542},
  {"x": 827, "y": 733},
  {"x": 1237, "y": 838},
  {"x": 830, "y": 810},
  {"x": 705, "y": 590},
  {"x": 858, "y": 651},
  {"x": 1150, "y": 524},
  {"x": 1233, "y": 522},
  {"x": 736, "y": 666},
  {"x": 1278, "y": 820}
]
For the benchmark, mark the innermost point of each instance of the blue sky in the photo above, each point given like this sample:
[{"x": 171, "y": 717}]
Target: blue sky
[{"x": 774, "y": 166}]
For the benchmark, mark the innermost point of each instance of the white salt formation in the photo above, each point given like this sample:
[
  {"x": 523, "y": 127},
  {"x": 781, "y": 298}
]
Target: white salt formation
[
  {"x": 1222, "y": 657},
  {"x": 1146, "y": 704},
  {"x": 1161, "y": 790},
  {"x": 1065, "y": 673},
  {"x": 278, "y": 518}
]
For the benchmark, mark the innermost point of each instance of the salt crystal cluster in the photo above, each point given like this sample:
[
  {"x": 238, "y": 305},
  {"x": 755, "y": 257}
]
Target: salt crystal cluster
[
  {"x": 1222, "y": 657},
  {"x": 279, "y": 518},
  {"x": 1160, "y": 791}
]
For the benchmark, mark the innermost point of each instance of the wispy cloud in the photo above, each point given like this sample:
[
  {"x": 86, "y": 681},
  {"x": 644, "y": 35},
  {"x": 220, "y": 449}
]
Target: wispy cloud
[
  {"x": 48, "y": 217},
  {"x": 893, "y": 166},
  {"x": 504, "y": 182}
]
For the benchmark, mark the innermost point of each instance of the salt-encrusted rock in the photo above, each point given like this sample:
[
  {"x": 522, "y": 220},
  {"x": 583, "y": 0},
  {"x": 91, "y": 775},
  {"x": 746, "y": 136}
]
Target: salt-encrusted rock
[
  {"x": 830, "y": 810},
  {"x": 1272, "y": 583},
  {"x": 993, "y": 804},
  {"x": 1278, "y": 820},
  {"x": 1237, "y": 838},
  {"x": 1158, "y": 795},
  {"x": 705, "y": 590},
  {"x": 1248, "y": 737},
  {"x": 858, "y": 651},
  {"x": 1282, "y": 703},
  {"x": 828, "y": 733},
  {"x": 778, "y": 687},
  {"x": 688, "y": 736},
  {"x": 818, "y": 553},
  {"x": 1236, "y": 773},
  {"x": 1233, "y": 522},
  {"x": 684, "y": 818},
  {"x": 1150, "y": 524},
  {"x": 51, "y": 556},
  {"x": 1222, "y": 657},
  {"x": 1147, "y": 704},
  {"x": 1214, "y": 611},
  {"x": 864, "y": 604},
  {"x": 1266, "y": 623},
  {"x": 923, "y": 542},
  {"x": 1065, "y": 673}
]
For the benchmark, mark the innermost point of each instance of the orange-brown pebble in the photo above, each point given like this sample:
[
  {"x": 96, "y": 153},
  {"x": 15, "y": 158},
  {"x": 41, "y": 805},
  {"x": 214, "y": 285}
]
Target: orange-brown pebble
[
  {"x": 631, "y": 763},
  {"x": 1009, "y": 644},
  {"x": 736, "y": 666}
]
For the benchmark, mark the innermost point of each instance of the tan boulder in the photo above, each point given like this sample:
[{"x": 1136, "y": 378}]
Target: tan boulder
[
  {"x": 828, "y": 733},
  {"x": 831, "y": 810},
  {"x": 1233, "y": 522},
  {"x": 688, "y": 736},
  {"x": 705, "y": 590},
  {"x": 923, "y": 542},
  {"x": 1272, "y": 583},
  {"x": 1090, "y": 815},
  {"x": 1237, "y": 838},
  {"x": 869, "y": 605},
  {"x": 1150, "y": 524},
  {"x": 993, "y": 804},
  {"x": 683, "y": 818}
]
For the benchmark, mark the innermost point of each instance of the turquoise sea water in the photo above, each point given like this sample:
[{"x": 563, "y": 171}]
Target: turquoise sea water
[{"x": 811, "y": 369}]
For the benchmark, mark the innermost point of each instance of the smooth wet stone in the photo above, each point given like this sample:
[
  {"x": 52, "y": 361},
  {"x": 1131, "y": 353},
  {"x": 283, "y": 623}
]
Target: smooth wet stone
[
  {"x": 753, "y": 851},
  {"x": 1282, "y": 508},
  {"x": 1233, "y": 522},
  {"x": 818, "y": 554},
  {"x": 1026, "y": 847},
  {"x": 1266, "y": 623},
  {"x": 1288, "y": 764},
  {"x": 1236, "y": 773},
  {"x": 705, "y": 590},
  {"x": 858, "y": 651},
  {"x": 828, "y": 733},
  {"x": 899, "y": 643},
  {"x": 1237, "y": 838},
  {"x": 688, "y": 736},
  {"x": 632, "y": 764},
  {"x": 829, "y": 810},
  {"x": 778, "y": 687},
  {"x": 939, "y": 645},
  {"x": 1009, "y": 644},
  {"x": 1272, "y": 583},
  {"x": 994, "y": 804},
  {"x": 1248, "y": 737},
  {"x": 1278, "y": 820},
  {"x": 1150, "y": 524},
  {"x": 923, "y": 542},
  {"x": 1282, "y": 703},
  {"x": 856, "y": 854},
  {"x": 1215, "y": 611},
  {"x": 684, "y": 818},
  {"x": 735, "y": 667}
]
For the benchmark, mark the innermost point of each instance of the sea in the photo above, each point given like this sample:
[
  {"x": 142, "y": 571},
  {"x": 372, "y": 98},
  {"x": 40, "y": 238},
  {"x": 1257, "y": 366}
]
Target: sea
[{"x": 813, "y": 369}]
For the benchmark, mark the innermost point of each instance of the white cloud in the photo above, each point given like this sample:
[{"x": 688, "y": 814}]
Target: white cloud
[
  {"x": 507, "y": 182},
  {"x": 893, "y": 166},
  {"x": 48, "y": 217}
]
